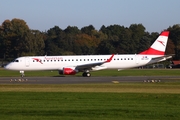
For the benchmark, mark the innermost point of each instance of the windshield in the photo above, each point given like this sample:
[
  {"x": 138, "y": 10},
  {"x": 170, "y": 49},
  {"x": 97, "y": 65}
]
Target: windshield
[{"x": 16, "y": 61}]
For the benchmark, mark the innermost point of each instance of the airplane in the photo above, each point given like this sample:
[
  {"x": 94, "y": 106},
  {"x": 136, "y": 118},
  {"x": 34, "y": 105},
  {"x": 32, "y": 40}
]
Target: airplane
[{"x": 70, "y": 65}]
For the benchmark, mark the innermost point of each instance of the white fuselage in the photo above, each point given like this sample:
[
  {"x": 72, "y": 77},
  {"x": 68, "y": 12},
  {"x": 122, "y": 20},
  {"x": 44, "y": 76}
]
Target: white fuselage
[
  {"x": 59, "y": 62},
  {"x": 70, "y": 65}
]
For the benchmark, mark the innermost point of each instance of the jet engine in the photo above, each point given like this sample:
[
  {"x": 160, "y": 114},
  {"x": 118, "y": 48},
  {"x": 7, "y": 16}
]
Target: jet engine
[{"x": 68, "y": 71}]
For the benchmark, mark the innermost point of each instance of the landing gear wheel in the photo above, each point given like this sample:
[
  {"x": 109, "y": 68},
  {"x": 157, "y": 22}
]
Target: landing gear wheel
[
  {"x": 22, "y": 74},
  {"x": 86, "y": 74},
  {"x": 20, "y": 79}
]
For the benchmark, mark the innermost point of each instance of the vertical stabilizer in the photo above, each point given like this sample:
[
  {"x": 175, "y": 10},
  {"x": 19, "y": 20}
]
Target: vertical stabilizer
[{"x": 159, "y": 46}]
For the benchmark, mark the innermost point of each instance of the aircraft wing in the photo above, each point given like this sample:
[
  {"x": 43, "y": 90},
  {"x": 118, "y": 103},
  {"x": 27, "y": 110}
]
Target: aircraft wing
[
  {"x": 91, "y": 65},
  {"x": 88, "y": 66}
]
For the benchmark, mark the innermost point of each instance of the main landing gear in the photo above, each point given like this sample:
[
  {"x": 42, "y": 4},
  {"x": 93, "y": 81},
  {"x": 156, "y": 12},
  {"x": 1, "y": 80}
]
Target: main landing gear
[{"x": 86, "y": 74}]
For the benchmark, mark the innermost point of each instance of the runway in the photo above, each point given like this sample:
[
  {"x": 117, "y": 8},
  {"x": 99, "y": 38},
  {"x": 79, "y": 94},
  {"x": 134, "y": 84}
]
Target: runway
[{"x": 86, "y": 80}]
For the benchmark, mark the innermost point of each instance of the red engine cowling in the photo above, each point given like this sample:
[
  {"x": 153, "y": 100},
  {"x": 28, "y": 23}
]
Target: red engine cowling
[{"x": 68, "y": 71}]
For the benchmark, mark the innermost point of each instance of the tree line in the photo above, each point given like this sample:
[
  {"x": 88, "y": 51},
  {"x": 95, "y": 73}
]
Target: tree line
[{"x": 17, "y": 39}]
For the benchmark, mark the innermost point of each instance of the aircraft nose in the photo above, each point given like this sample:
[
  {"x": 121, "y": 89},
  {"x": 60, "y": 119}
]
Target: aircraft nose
[{"x": 6, "y": 66}]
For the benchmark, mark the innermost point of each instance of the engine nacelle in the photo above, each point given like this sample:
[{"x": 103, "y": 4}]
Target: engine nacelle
[{"x": 68, "y": 71}]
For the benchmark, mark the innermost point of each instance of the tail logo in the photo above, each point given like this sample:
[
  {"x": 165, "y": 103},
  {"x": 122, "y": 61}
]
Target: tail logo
[
  {"x": 159, "y": 46},
  {"x": 161, "y": 42}
]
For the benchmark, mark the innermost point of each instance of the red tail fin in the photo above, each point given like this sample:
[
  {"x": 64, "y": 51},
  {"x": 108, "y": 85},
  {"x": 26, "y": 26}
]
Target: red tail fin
[{"x": 159, "y": 46}]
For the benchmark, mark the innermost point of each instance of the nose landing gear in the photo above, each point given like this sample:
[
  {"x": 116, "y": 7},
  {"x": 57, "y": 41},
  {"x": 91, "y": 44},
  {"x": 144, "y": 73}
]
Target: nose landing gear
[
  {"x": 22, "y": 74},
  {"x": 20, "y": 79}
]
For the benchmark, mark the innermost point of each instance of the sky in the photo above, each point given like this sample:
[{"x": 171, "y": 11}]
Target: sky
[{"x": 154, "y": 15}]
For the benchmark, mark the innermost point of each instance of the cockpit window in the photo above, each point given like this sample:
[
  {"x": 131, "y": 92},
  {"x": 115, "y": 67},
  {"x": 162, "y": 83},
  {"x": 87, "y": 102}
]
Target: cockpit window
[{"x": 16, "y": 61}]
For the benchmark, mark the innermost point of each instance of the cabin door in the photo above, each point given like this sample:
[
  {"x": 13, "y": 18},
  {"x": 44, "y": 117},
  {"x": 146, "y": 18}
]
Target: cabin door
[
  {"x": 27, "y": 61},
  {"x": 137, "y": 59}
]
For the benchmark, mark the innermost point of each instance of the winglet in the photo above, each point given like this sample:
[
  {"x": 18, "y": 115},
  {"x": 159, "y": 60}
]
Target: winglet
[
  {"x": 159, "y": 46},
  {"x": 109, "y": 60}
]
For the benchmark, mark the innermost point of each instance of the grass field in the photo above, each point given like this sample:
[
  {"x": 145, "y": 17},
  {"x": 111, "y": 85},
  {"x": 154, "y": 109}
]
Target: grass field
[
  {"x": 88, "y": 106},
  {"x": 128, "y": 72},
  {"x": 161, "y": 88},
  {"x": 123, "y": 101}
]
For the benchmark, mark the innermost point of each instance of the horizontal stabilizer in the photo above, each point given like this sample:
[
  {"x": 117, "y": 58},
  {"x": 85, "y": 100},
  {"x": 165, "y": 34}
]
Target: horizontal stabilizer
[{"x": 161, "y": 58}]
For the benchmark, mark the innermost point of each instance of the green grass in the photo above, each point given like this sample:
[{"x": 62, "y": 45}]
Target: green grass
[
  {"x": 129, "y": 72},
  {"x": 124, "y": 101},
  {"x": 160, "y": 88},
  {"x": 88, "y": 106},
  {"x": 137, "y": 72}
]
